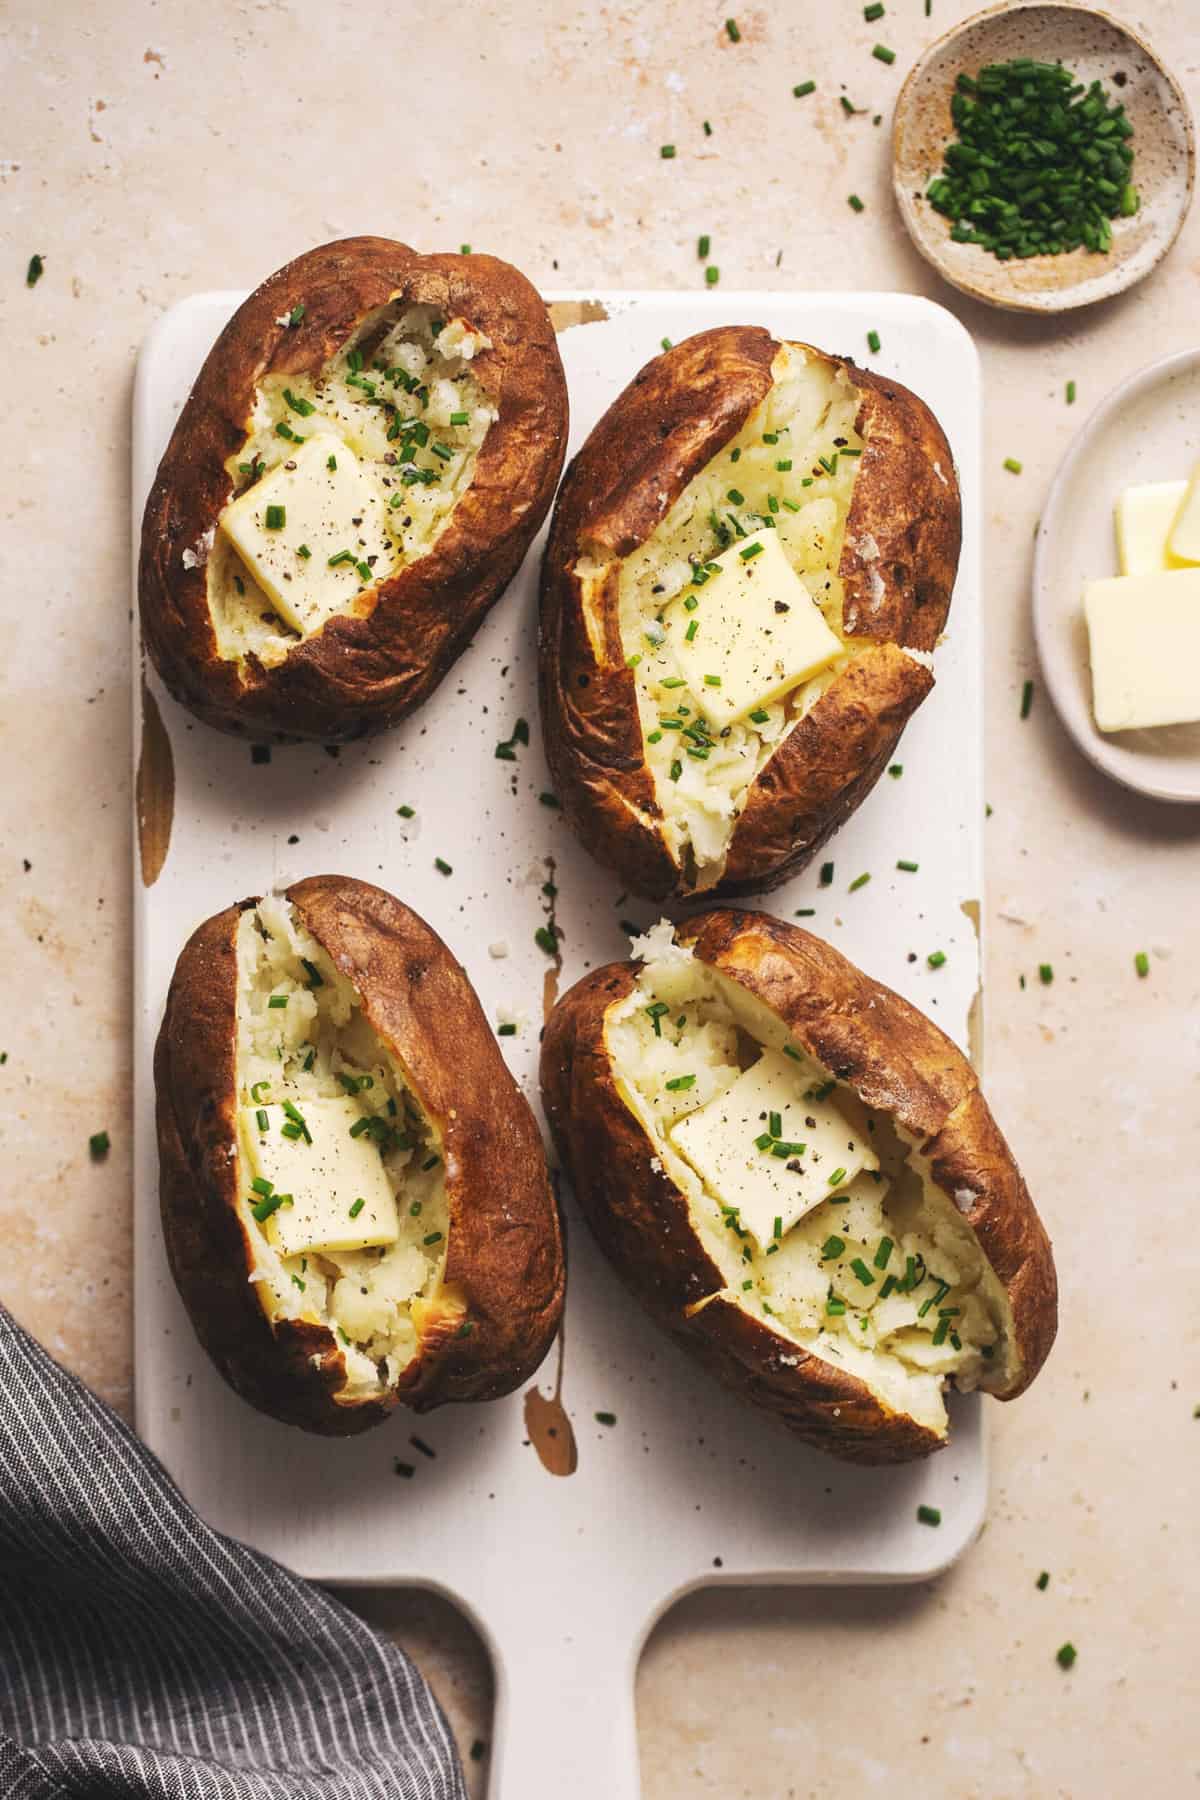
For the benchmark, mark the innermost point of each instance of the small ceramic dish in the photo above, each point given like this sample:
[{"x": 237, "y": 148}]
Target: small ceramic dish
[
  {"x": 1148, "y": 429},
  {"x": 1096, "y": 48}
]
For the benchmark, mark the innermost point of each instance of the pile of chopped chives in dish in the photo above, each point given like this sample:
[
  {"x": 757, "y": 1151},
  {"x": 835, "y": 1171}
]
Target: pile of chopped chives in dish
[{"x": 1041, "y": 163}]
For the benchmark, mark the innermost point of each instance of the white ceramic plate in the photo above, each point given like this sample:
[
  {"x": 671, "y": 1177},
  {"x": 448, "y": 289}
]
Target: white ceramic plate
[{"x": 1148, "y": 429}]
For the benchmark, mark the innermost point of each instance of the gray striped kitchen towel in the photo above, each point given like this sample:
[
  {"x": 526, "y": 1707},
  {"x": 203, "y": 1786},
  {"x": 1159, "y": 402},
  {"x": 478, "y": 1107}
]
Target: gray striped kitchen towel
[{"x": 143, "y": 1654}]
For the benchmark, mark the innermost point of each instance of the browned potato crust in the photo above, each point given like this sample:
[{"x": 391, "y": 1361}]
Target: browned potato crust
[
  {"x": 358, "y": 674},
  {"x": 899, "y": 1063},
  {"x": 504, "y": 1262},
  {"x": 670, "y": 422}
]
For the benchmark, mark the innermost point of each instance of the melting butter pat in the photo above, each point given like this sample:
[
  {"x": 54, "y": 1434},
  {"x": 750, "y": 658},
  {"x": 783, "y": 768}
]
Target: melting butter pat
[
  {"x": 319, "y": 505},
  {"x": 326, "y": 1178},
  {"x": 1184, "y": 538},
  {"x": 1144, "y": 636},
  {"x": 1144, "y": 517},
  {"x": 757, "y": 630},
  {"x": 811, "y": 1155}
]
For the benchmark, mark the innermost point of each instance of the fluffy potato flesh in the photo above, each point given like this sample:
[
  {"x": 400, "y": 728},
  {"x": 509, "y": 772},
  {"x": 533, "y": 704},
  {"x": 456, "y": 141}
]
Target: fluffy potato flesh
[
  {"x": 790, "y": 469},
  {"x": 309, "y": 1069},
  {"x": 400, "y": 397},
  {"x": 885, "y": 1280}
]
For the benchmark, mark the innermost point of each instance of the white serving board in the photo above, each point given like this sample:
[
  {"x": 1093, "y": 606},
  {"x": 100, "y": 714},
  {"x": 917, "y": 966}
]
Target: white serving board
[{"x": 563, "y": 1576}]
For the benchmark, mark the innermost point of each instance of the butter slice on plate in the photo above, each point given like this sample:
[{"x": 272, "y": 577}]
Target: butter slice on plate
[
  {"x": 757, "y": 630},
  {"x": 326, "y": 1178},
  {"x": 325, "y": 504},
  {"x": 1144, "y": 517},
  {"x": 1144, "y": 635},
  {"x": 720, "y": 1141},
  {"x": 1184, "y": 539}
]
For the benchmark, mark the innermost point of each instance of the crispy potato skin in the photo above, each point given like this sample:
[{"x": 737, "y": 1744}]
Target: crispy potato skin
[
  {"x": 900, "y": 1063},
  {"x": 362, "y": 674},
  {"x": 673, "y": 418},
  {"x": 504, "y": 1252}
]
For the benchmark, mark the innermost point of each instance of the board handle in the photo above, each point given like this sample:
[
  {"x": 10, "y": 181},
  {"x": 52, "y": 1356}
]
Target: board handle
[{"x": 565, "y": 1721}]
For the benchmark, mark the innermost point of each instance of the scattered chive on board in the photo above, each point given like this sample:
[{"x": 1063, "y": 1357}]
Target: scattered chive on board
[
  {"x": 1040, "y": 165},
  {"x": 1026, "y": 699},
  {"x": 929, "y": 1515},
  {"x": 803, "y": 88},
  {"x": 1141, "y": 963},
  {"x": 1012, "y": 465},
  {"x": 35, "y": 271},
  {"x": 882, "y": 54}
]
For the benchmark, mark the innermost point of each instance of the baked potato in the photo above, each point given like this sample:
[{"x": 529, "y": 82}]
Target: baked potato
[
  {"x": 366, "y": 456},
  {"x": 354, "y": 1192},
  {"x": 750, "y": 563},
  {"x": 796, "y": 1174}
]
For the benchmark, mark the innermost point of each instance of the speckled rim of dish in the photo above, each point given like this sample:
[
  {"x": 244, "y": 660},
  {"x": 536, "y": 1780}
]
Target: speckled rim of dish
[
  {"x": 1164, "y": 175},
  {"x": 1067, "y": 678}
]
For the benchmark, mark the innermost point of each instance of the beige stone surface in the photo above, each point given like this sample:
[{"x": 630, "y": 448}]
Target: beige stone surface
[{"x": 150, "y": 150}]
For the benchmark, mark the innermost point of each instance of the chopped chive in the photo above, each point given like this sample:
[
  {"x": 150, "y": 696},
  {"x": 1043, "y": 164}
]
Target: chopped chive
[
  {"x": 880, "y": 1259},
  {"x": 1026, "y": 699},
  {"x": 434, "y": 1237},
  {"x": 712, "y": 275},
  {"x": 895, "y": 770},
  {"x": 1043, "y": 1581},
  {"x": 296, "y": 314},
  {"x": 545, "y": 939},
  {"x": 406, "y": 812},
  {"x": 460, "y": 418},
  {"x": 750, "y": 551},
  {"x": 856, "y": 205},
  {"x": 936, "y": 958},
  {"x": 833, "y": 1246},
  {"x": 735, "y": 497},
  {"x": 707, "y": 128},
  {"x": 442, "y": 866},
  {"x": 847, "y": 106},
  {"x": 826, "y": 875},
  {"x": 1065, "y": 1655},
  {"x": 262, "y": 1120},
  {"x": 261, "y": 1185},
  {"x": 712, "y": 681},
  {"x": 834, "y": 1307},
  {"x": 262, "y": 1209},
  {"x": 873, "y": 342},
  {"x": 777, "y": 1228},
  {"x": 1141, "y": 963},
  {"x": 731, "y": 27},
  {"x": 1045, "y": 973},
  {"x": 343, "y": 556},
  {"x": 357, "y": 1207},
  {"x": 909, "y": 868},
  {"x": 506, "y": 1030},
  {"x": 35, "y": 271},
  {"x": 331, "y": 462},
  {"x": 861, "y": 1270},
  {"x": 928, "y": 1515},
  {"x": 775, "y": 1125},
  {"x": 859, "y": 881},
  {"x": 605, "y": 1418},
  {"x": 276, "y": 1002},
  {"x": 298, "y": 404},
  {"x": 667, "y": 151},
  {"x": 1012, "y": 465},
  {"x": 803, "y": 89},
  {"x": 99, "y": 1145},
  {"x": 1070, "y": 393},
  {"x": 881, "y": 53},
  {"x": 276, "y": 518},
  {"x": 679, "y": 1083}
]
